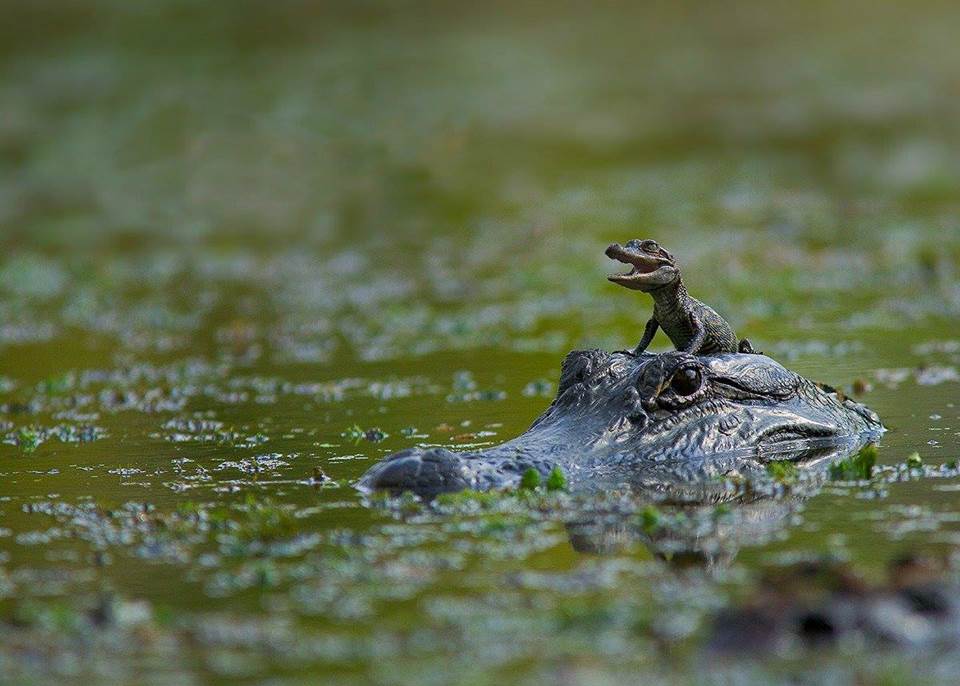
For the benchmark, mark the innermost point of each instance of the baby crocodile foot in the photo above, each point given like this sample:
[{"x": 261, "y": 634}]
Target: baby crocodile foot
[{"x": 747, "y": 348}]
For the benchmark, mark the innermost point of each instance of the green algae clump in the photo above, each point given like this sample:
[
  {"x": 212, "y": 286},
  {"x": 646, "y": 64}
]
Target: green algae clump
[
  {"x": 556, "y": 480},
  {"x": 530, "y": 480},
  {"x": 783, "y": 471},
  {"x": 857, "y": 467}
]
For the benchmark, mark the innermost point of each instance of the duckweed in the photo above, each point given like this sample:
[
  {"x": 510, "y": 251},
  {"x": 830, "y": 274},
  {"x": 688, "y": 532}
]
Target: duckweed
[
  {"x": 650, "y": 518},
  {"x": 783, "y": 471},
  {"x": 28, "y": 439},
  {"x": 345, "y": 216},
  {"x": 530, "y": 480},
  {"x": 556, "y": 480},
  {"x": 860, "y": 466}
]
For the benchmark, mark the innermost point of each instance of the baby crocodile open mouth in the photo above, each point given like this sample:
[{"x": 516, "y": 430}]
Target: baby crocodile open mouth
[{"x": 640, "y": 263}]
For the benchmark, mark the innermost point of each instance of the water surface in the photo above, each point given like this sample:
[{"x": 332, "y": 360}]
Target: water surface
[{"x": 237, "y": 244}]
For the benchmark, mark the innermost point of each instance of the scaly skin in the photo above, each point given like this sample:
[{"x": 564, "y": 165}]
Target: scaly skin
[
  {"x": 651, "y": 421},
  {"x": 692, "y": 326}
]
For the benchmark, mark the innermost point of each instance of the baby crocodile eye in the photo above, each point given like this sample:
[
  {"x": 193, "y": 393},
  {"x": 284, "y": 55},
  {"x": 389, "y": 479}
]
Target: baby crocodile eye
[
  {"x": 686, "y": 381},
  {"x": 650, "y": 246}
]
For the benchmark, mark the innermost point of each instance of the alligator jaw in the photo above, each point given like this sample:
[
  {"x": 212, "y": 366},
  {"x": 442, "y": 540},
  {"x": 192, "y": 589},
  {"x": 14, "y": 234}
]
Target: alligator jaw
[
  {"x": 642, "y": 265},
  {"x": 617, "y": 419}
]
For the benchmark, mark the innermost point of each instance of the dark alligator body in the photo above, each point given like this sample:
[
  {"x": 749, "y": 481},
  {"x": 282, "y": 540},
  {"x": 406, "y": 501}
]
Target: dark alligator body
[
  {"x": 691, "y": 326},
  {"x": 650, "y": 422}
]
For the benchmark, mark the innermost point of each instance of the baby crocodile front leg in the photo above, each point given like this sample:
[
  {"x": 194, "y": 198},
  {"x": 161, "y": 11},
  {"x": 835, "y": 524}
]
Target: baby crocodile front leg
[
  {"x": 699, "y": 336},
  {"x": 649, "y": 331}
]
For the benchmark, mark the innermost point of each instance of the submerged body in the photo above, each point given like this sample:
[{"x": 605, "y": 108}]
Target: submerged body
[
  {"x": 647, "y": 420},
  {"x": 691, "y": 326}
]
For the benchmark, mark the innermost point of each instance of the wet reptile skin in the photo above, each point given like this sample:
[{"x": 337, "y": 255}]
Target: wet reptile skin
[
  {"x": 683, "y": 317},
  {"x": 648, "y": 420},
  {"x": 691, "y": 326}
]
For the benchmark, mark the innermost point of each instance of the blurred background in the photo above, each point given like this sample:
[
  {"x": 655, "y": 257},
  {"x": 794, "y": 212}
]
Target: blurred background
[
  {"x": 382, "y": 179},
  {"x": 248, "y": 248}
]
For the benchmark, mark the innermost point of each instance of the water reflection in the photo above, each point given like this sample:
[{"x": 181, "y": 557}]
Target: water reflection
[{"x": 706, "y": 524}]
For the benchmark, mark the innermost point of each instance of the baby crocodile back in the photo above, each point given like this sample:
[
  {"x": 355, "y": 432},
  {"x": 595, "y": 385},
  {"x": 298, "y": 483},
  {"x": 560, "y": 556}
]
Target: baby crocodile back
[{"x": 683, "y": 317}]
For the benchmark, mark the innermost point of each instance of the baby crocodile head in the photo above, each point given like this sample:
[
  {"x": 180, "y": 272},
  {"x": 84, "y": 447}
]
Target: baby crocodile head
[{"x": 652, "y": 267}]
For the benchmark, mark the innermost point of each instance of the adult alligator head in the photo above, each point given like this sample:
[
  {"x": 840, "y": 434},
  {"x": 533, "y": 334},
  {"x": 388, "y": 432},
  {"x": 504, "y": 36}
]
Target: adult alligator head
[{"x": 647, "y": 421}]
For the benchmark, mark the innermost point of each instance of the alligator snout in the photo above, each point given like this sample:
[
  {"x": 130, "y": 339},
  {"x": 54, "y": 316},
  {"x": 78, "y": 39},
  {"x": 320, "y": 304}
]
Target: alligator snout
[
  {"x": 619, "y": 417},
  {"x": 423, "y": 471}
]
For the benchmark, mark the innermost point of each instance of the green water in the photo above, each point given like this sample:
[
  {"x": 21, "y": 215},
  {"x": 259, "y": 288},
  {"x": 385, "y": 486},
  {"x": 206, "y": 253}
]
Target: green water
[{"x": 230, "y": 234}]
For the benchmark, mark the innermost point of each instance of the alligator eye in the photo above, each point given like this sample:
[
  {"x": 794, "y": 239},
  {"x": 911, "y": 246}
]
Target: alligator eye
[
  {"x": 686, "y": 381},
  {"x": 650, "y": 246}
]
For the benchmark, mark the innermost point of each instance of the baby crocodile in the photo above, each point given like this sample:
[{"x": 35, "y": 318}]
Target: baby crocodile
[{"x": 692, "y": 326}]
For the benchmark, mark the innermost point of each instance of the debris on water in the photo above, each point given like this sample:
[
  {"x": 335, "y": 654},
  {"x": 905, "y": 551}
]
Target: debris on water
[
  {"x": 320, "y": 478},
  {"x": 949, "y": 346},
  {"x": 935, "y": 375},
  {"x": 464, "y": 382},
  {"x": 485, "y": 499},
  {"x": 55, "y": 385},
  {"x": 793, "y": 350},
  {"x": 472, "y": 436},
  {"x": 650, "y": 518},
  {"x": 926, "y": 375},
  {"x": 256, "y": 464},
  {"x": 783, "y": 471},
  {"x": 861, "y": 386},
  {"x": 375, "y": 435},
  {"x": 892, "y": 378},
  {"x": 465, "y": 390},
  {"x": 476, "y": 395},
  {"x": 28, "y": 439},
  {"x": 125, "y": 471},
  {"x": 356, "y": 434},
  {"x": 857, "y": 467},
  {"x": 542, "y": 388}
]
